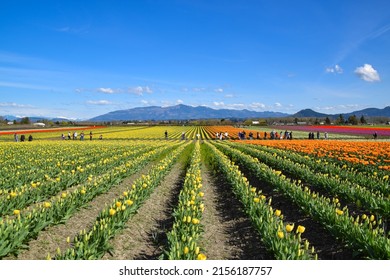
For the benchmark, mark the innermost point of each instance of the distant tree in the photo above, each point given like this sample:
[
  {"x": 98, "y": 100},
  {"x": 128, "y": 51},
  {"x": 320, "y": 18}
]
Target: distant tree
[
  {"x": 327, "y": 121},
  {"x": 363, "y": 120},
  {"x": 248, "y": 122},
  {"x": 340, "y": 119},
  {"x": 353, "y": 120},
  {"x": 25, "y": 120},
  {"x": 316, "y": 122}
]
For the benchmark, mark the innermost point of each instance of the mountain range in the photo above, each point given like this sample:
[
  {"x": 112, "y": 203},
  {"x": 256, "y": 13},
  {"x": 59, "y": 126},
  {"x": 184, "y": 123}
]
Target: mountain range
[
  {"x": 182, "y": 112},
  {"x": 185, "y": 112}
]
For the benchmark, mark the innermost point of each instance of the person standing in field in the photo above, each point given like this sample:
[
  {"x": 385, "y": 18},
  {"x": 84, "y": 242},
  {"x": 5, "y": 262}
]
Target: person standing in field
[
  {"x": 166, "y": 134},
  {"x": 90, "y": 135},
  {"x": 16, "y": 138},
  {"x": 69, "y": 135}
]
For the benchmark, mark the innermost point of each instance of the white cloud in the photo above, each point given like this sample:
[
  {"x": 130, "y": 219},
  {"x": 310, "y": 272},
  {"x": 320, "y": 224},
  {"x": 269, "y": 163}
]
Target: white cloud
[
  {"x": 277, "y": 104},
  {"x": 140, "y": 90},
  {"x": 99, "y": 102},
  {"x": 338, "y": 108},
  {"x": 367, "y": 73},
  {"x": 14, "y": 105},
  {"x": 335, "y": 69},
  {"x": 218, "y": 104},
  {"x": 218, "y": 90},
  {"x": 229, "y": 95},
  {"x": 179, "y": 101},
  {"x": 257, "y": 105},
  {"x": 199, "y": 89},
  {"x": 106, "y": 90}
]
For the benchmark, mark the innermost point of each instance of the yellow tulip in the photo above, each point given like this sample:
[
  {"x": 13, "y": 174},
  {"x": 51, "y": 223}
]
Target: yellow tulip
[
  {"x": 195, "y": 221},
  {"x": 129, "y": 202},
  {"x": 289, "y": 227},
  {"x": 112, "y": 212},
  {"x": 63, "y": 195},
  {"x": 301, "y": 229},
  {"x": 16, "y": 212},
  {"x": 280, "y": 234},
  {"x": 256, "y": 200},
  {"x": 201, "y": 257},
  {"x": 118, "y": 204},
  {"x": 278, "y": 212},
  {"x": 339, "y": 212},
  {"x": 372, "y": 218},
  {"x": 47, "y": 204},
  {"x": 186, "y": 250}
]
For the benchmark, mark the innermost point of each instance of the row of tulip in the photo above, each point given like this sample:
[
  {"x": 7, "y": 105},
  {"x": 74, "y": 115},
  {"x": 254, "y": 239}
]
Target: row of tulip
[
  {"x": 94, "y": 243},
  {"x": 374, "y": 202},
  {"x": 371, "y": 180},
  {"x": 21, "y": 197},
  {"x": 186, "y": 231},
  {"x": 364, "y": 155},
  {"x": 278, "y": 236},
  {"x": 30, "y": 163},
  {"x": 25, "y": 225},
  {"x": 366, "y": 236}
]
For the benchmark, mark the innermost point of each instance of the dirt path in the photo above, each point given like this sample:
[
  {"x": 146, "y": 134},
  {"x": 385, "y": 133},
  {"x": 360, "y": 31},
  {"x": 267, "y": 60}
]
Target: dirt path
[
  {"x": 228, "y": 233},
  {"x": 144, "y": 236},
  {"x": 54, "y": 237}
]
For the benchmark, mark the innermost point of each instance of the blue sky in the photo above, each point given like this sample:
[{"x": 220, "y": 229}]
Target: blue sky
[{"x": 80, "y": 59}]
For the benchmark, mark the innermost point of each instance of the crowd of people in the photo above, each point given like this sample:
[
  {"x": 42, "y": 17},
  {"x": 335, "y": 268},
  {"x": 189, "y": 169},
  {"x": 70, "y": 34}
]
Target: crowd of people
[
  {"x": 272, "y": 135},
  {"x": 22, "y": 138},
  {"x": 74, "y": 135}
]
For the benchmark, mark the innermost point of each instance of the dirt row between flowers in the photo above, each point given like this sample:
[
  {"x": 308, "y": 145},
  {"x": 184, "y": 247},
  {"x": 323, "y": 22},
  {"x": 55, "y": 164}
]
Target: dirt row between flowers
[
  {"x": 227, "y": 230},
  {"x": 327, "y": 246}
]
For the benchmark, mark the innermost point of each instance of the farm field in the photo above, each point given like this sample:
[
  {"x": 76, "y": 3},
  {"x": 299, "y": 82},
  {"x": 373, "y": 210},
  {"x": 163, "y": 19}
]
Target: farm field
[{"x": 136, "y": 195}]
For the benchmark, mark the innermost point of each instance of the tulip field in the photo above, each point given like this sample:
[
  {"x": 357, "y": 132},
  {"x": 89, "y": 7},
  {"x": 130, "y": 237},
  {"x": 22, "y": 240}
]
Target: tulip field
[{"x": 137, "y": 193}]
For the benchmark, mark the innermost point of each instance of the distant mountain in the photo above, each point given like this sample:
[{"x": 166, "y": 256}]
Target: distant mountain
[
  {"x": 371, "y": 112},
  {"x": 181, "y": 112},
  {"x": 309, "y": 113},
  {"x": 368, "y": 112},
  {"x": 34, "y": 119}
]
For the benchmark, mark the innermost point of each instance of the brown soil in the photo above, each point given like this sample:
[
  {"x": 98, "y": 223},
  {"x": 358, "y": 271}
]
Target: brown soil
[{"x": 55, "y": 237}]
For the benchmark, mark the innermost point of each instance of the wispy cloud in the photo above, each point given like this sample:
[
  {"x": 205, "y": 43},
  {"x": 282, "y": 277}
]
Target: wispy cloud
[
  {"x": 106, "y": 90},
  {"x": 334, "y": 69},
  {"x": 338, "y": 108},
  {"x": 74, "y": 30},
  {"x": 14, "y": 105},
  {"x": 257, "y": 105},
  {"x": 139, "y": 90},
  {"x": 367, "y": 73},
  {"x": 379, "y": 32},
  {"x": 99, "y": 102}
]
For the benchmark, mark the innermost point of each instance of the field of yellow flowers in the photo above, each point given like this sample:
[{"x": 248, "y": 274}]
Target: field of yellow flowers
[{"x": 177, "y": 192}]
